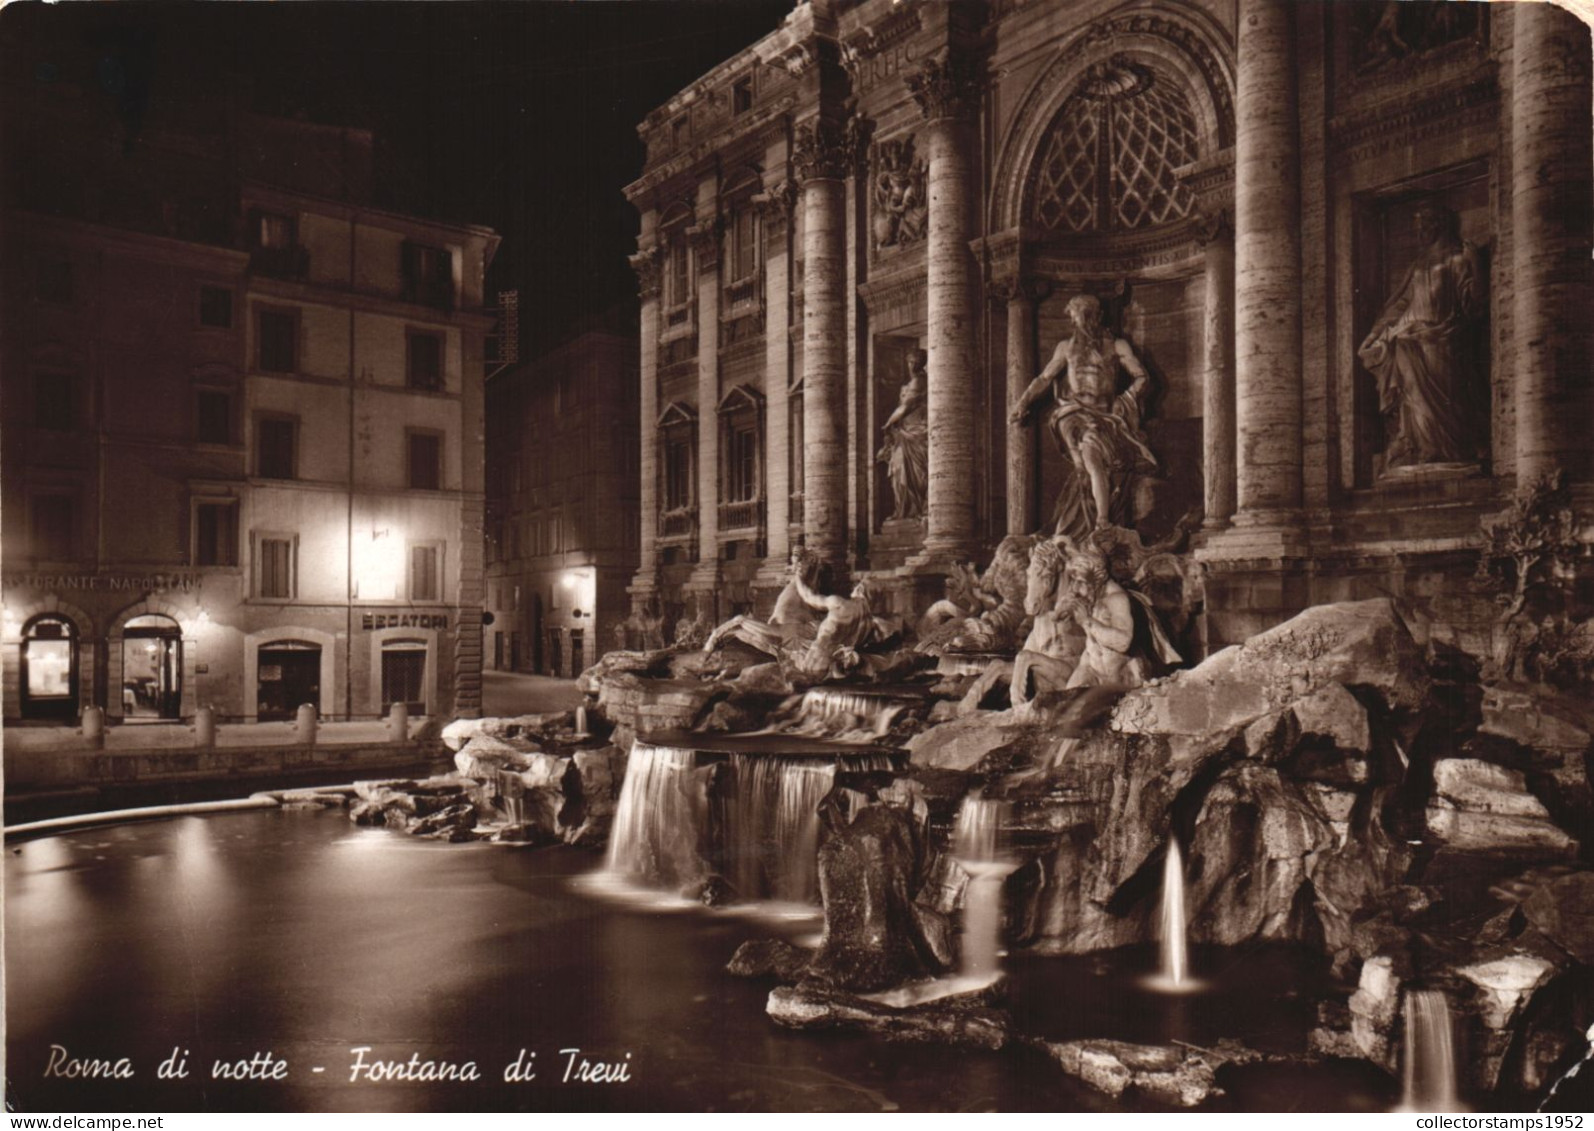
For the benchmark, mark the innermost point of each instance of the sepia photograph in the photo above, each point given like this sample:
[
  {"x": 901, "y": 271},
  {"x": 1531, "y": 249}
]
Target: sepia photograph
[{"x": 798, "y": 555}]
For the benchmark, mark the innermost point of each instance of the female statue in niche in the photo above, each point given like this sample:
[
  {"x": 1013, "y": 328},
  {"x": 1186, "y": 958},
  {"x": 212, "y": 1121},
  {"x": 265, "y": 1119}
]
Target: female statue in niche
[
  {"x": 1421, "y": 349},
  {"x": 905, "y": 448}
]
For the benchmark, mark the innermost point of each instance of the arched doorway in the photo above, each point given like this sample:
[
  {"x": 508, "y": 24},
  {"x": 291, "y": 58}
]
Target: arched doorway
[
  {"x": 49, "y": 671},
  {"x": 152, "y": 668},
  {"x": 288, "y": 674}
]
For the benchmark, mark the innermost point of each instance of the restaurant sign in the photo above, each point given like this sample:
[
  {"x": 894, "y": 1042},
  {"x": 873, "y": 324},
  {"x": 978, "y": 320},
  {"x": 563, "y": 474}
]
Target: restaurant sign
[{"x": 105, "y": 582}]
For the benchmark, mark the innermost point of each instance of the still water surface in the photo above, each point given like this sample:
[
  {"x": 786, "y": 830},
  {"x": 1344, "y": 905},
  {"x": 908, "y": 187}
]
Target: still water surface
[{"x": 300, "y": 935}]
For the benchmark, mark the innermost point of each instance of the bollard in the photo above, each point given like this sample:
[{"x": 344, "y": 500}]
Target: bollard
[
  {"x": 205, "y": 726},
  {"x": 92, "y": 725},
  {"x": 304, "y": 724},
  {"x": 398, "y": 722}
]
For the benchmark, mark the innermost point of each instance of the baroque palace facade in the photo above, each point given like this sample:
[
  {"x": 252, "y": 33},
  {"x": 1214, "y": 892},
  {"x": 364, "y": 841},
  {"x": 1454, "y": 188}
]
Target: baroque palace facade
[{"x": 1346, "y": 244}]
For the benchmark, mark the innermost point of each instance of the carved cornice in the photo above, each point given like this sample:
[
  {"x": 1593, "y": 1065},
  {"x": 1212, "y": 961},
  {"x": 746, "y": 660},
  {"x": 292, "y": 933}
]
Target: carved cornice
[
  {"x": 1004, "y": 255},
  {"x": 1211, "y": 179},
  {"x": 1369, "y": 131},
  {"x": 646, "y": 263},
  {"x": 945, "y": 89},
  {"x": 824, "y": 150},
  {"x": 896, "y": 26},
  {"x": 1173, "y": 258},
  {"x": 903, "y": 290},
  {"x": 1018, "y": 288},
  {"x": 768, "y": 115}
]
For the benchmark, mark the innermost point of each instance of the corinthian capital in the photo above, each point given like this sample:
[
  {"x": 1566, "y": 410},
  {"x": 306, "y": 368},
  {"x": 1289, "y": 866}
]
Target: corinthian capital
[
  {"x": 947, "y": 88},
  {"x": 825, "y": 150}
]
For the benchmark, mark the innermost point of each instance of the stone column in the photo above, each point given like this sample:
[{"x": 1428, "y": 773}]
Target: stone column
[
  {"x": 1267, "y": 269},
  {"x": 1022, "y": 367},
  {"x": 705, "y": 255},
  {"x": 822, "y": 160},
  {"x": 1217, "y": 397},
  {"x": 1550, "y": 221},
  {"x": 646, "y": 265},
  {"x": 775, "y": 208},
  {"x": 948, "y": 94}
]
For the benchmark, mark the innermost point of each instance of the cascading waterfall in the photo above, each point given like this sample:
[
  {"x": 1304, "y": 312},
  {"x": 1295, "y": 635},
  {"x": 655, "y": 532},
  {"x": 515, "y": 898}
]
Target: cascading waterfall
[
  {"x": 1429, "y": 1061},
  {"x": 836, "y": 712},
  {"x": 773, "y": 838},
  {"x": 512, "y": 794},
  {"x": 762, "y": 829},
  {"x": 654, "y": 839},
  {"x": 975, "y": 847}
]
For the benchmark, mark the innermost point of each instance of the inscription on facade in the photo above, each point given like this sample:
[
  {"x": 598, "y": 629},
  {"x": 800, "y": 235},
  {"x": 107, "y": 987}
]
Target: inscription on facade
[
  {"x": 870, "y": 72},
  {"x": 403, "y": 620}
]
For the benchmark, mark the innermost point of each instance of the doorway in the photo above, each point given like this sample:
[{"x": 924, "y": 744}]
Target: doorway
[
  {"x": 152, "y": 668},
  {"x": 49, "y": 669},
  {"x": 289, "y": 675},
  {"x": 404, "y": 675}
]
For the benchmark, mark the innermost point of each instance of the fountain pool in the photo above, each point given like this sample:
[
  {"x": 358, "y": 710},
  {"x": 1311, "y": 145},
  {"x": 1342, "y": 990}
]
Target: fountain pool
[{"x": 298, "y": 933}]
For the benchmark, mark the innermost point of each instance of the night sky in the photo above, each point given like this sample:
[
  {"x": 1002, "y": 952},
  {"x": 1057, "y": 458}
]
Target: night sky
[{"x": 519, "y": 116}]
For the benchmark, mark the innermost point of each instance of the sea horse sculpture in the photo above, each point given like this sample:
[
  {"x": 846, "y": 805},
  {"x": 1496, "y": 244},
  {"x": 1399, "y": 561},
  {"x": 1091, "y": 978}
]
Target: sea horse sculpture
[{"x": 984, "y": 614}]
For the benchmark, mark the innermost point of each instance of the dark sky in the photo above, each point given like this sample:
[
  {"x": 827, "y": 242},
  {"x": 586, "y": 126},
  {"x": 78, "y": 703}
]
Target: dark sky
[{"x": 517, "y": 115}]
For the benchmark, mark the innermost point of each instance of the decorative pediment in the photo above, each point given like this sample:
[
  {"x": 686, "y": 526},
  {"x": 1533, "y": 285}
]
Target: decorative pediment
[
  {"x": 741, "y": 398},
  {"x": 677, "y": 414}
]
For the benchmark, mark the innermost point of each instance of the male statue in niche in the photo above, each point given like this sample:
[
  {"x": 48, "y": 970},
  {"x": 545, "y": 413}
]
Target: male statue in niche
[
  {"x": 1095, "y": 426},
  {"x": 905, "y": 444},
  {"x": 1421, "y": 349}
]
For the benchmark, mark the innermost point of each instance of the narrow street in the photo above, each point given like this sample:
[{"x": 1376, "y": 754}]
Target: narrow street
[{"x": 519, "y": 693}]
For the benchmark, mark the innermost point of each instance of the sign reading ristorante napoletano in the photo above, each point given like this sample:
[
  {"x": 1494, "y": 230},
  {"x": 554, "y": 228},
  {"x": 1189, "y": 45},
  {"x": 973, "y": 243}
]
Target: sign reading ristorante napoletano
[{"x": 103, "y": 582}]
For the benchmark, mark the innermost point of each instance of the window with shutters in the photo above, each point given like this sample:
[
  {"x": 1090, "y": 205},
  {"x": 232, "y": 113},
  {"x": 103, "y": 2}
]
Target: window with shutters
[
  {"x": 276, "y": 441},
  {"x": 276, "y": 341},
  {"x": 52, "y": 526},
  {"x": 428, "y": 275},
  {"x": 216, "y": 532},
  {"x": 425, "y": 460},
  {"x": 426, "y": 571},
  {"x": 425, "y": 361},
  {"x": 276, "y": 566}
]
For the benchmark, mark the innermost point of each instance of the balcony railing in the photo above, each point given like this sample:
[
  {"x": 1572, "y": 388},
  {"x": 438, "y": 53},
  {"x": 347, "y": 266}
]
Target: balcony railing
[
  {"x": 747, "y": 515},
  {"x": 680, "y": 523}
]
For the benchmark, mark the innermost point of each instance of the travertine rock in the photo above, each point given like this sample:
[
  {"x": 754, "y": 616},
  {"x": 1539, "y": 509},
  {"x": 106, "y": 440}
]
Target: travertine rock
[
  {"x": 1484, "y": 808},
  {"x": 964, "y": 1020},
  {"x": 1506, "y": 985},
  {"x": 1563, "y": 908},
  {"x": 871, "y": 862},
  {"x": 1176, "y": 1075},
  {"x": 1354, "y": 644},
  {"x": 765, "y": 958}
]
